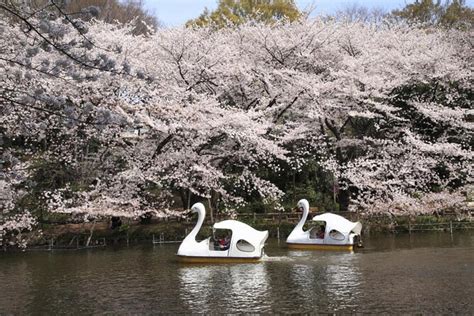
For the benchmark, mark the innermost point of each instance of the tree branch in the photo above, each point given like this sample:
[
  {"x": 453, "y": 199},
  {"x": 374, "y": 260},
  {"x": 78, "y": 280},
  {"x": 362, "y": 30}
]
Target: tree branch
[{"x": 287, "y": 107}]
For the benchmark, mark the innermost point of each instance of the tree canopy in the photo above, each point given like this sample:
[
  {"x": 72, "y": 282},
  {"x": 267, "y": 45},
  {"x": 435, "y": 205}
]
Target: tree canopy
[
  {"x": 110, "y": 11},
  {"x": 113, "y": 11},
  {"x": 435, "y": 12},
  {"x": 234, "y": 12}
]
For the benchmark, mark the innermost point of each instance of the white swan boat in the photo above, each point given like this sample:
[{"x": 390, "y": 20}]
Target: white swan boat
[
  {"x": 244, "y": 245},
  {"x": 335, "y": 232}
]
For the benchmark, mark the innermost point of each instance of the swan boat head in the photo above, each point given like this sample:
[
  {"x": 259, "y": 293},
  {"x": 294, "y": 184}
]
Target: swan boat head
[
  {"x": 303, "y": 206},
  {"x": 199, "y": 209}
]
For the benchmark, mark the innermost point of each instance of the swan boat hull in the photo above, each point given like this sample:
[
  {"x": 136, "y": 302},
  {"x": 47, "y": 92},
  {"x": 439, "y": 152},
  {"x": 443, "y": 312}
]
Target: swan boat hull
[
  {"x": 205, "y": 259},
  {"x": 306, "y": 246}
]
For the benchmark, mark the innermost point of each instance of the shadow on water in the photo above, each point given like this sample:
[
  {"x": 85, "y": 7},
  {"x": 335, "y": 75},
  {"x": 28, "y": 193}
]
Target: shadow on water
[{"x": 418, "y": 273}]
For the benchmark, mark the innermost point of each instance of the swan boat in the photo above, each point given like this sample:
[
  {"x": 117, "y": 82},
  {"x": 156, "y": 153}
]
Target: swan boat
[
  {"x": 337, "y": 233},
  {"x": 245, "y": 244}
]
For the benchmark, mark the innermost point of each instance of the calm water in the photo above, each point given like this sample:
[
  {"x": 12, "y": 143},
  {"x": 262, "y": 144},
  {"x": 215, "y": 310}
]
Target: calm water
[{"x": 423, "y": 273}]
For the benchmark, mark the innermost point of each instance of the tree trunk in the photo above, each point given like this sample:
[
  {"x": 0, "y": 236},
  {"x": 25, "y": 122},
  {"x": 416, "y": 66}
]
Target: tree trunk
[
  {"x": 343, "y": 198},
  {"x": 189, "y": 198},
  {"x": 209, "y": 201},
  {"x": 294, "y": 187},
  {"x": 184, "y": 195}
]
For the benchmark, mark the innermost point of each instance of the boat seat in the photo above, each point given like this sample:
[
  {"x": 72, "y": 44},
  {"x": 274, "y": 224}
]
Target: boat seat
[{"x": 313, "y": 233}]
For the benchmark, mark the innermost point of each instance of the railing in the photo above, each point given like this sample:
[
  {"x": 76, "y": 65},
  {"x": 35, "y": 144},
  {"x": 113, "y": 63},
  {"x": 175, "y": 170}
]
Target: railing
[
  {"x": 161, "y": 240},
  {"x": 447, "y": 226},
  {"x": 274, "y": 216},
  {"x": 295, "y": 217},
  {"x": 263, "y": 216},
  {"x": 74, "y": 244}
]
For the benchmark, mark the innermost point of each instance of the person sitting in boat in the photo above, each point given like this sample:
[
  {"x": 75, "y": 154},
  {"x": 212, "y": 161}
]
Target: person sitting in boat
[
  {"x": 320, "y": 234},
  {"x": 224, "y": 243}
]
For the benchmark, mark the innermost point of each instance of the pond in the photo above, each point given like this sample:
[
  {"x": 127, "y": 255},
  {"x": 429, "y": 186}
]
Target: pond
[{"x": 421, "y": 273}]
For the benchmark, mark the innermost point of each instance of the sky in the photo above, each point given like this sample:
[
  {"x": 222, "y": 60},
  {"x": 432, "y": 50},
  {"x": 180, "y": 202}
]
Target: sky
[{"x": 176, "y": 12}]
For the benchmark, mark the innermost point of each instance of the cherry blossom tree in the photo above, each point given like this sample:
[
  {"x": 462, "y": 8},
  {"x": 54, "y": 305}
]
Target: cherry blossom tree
[
  {"x": 104, "y": 122},
  {"x": 88, "y": 103}
]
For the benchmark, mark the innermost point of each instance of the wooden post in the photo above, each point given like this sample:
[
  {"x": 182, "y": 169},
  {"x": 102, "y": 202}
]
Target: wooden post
[
  {"x": 278, "y": 233},
  {"x": 90, "y": 235},
  {"x": 451, "y": 227},
  {"x": 409, "y": 228},
  {"x": 254, "y": 216},
  {"x": 70, "y": 243}
]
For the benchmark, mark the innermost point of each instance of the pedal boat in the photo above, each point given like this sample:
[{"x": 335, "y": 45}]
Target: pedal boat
[
  {"x": 245, "y": 245},
  {"x": 339, "y": 233}
]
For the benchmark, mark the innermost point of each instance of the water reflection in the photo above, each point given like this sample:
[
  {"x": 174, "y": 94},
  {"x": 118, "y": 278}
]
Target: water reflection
[
  {"x": 343, "y": 281},
  {"x": 195, "y": 284},
  {"x": 223, "y": 288},
  {"x": 324, "y": 281}
]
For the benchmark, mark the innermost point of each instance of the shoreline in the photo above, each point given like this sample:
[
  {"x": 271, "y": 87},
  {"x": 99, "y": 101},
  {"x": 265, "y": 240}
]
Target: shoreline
[{"x": 99, "y": 234}]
